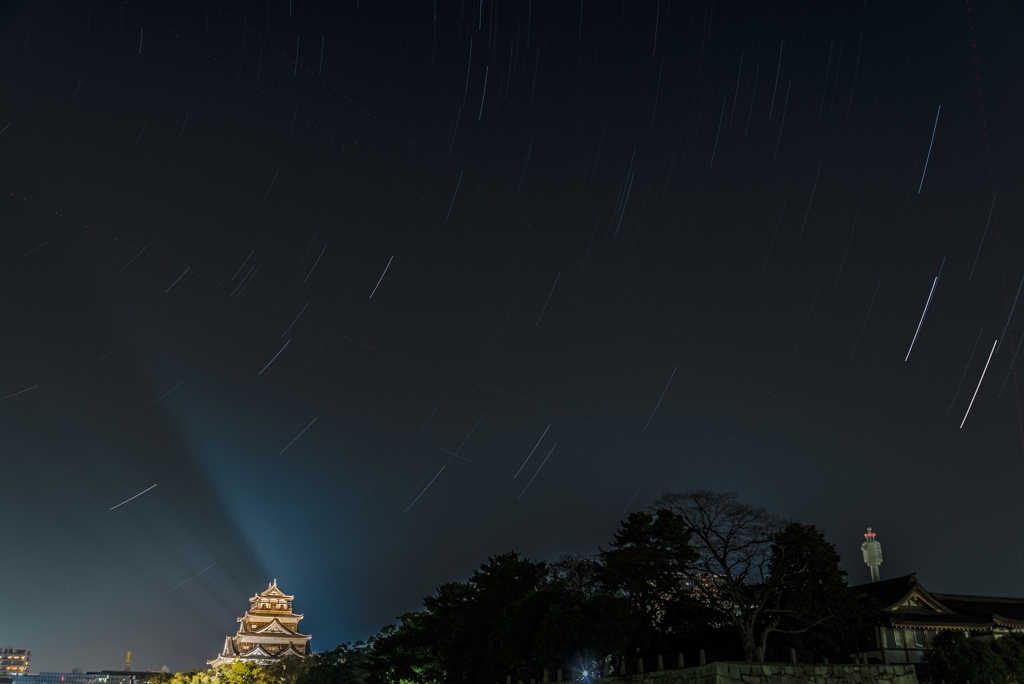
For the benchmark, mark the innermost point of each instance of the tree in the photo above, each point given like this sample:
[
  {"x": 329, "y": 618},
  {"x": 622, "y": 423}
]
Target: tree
[
  {"x": 647, "y": 565},
  {"x": 505, "y": 586},
  {"x": 688, "y": 571},
  {"x": 159, "y": 678},
  {"x": 733, "y": 544},
  {"x": 194, "y": 676},
  {"x": 810, "y": 602},
  {"x": 954, "y": 657},
  {"x": 426, "y": 645},
  {"x": 575, "y": 574},
  {"x": 578, "y": 632},
  {"x": 405, "y": 653},
  {"x": 583, "y": 623},
  {"x": 1010, "y": 649},
  {"x": 648, "y": 561},
  {"x": 763, "y": 575},
  {"x": 345, "y": 664},
  {"x": 457, "y": 636},
  {"x": 515, "y": 642}
]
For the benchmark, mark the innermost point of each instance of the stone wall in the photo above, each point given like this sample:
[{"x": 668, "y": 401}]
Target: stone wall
[{"x": 773, "y": 673}]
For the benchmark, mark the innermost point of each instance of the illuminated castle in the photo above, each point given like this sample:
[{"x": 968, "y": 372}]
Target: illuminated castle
[{"x": 268, "y": 631}]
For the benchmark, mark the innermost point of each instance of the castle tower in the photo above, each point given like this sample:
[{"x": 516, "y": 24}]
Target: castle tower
[
  {"x": 872, "y": 551},
  {"x": 268, "y": 631}
]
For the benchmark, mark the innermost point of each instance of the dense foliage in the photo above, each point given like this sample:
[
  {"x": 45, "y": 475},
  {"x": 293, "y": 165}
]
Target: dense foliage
[
  {"x": 810, "y": 606},
  {"x": 700, "y": 570},
  {"x": 954, "y": 658},
  {"x": 346, "y": 664}
]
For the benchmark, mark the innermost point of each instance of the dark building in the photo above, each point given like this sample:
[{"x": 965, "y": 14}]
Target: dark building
[
  {"x": 104, "y": 677},
  {"x": 910, "y": 616}
]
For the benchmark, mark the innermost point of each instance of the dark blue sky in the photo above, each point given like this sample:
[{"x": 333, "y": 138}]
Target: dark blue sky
[{"x": 683, "y": 241}]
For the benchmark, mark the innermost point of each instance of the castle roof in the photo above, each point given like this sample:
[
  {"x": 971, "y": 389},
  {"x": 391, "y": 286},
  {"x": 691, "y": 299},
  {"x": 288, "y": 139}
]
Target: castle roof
[
  {"x": 265, "y": 615},
  {"x": 257, "y": 652},
  {"x": 905, "y": 603},
  {"x": 272, "y": 628},
  {"x": 272, "y": 639},
  {"x": 272, "y": 592}
]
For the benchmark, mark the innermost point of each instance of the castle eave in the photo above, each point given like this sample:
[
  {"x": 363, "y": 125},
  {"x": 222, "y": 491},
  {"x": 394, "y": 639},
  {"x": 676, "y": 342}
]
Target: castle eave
[
  {"x": 268, "y": 615},
  {"x": 250, "y": 638}
]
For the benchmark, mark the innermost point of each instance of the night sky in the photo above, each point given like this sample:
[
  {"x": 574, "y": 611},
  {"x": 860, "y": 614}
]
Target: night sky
[{"x": 319, "y": 276}]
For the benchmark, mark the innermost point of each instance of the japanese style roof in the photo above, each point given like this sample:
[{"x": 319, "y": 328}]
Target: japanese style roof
[
  {"x": 275, "y": 627},
  {"x": 257, "y": 652},
  {"x": 269, "y": 630},
  {"x": 263, "y": 614},
  {"x": 905, "y": 603},
  {"x": 272, "y": 592},
  {"x": 1005, "y": 610}
]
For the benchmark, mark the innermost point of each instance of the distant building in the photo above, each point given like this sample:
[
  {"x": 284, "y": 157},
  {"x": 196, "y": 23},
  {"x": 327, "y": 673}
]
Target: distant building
[
  {"x": 79, "y": 677},
  {"x": 124, "y": 676},
  {"x": 910, "y": 615},
  {"x": 14, "y": 661},
  {"x": 66, "y": 678},
  {"x": 268, "y": 631}
]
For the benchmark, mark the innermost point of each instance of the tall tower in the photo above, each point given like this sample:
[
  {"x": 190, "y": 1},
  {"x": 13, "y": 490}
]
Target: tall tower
[{"x": 872, "y": 553}]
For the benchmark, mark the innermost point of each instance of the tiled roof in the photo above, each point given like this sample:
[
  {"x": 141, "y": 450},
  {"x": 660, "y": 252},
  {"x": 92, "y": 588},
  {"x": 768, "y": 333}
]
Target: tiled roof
[{"x": 937, "y": 610}]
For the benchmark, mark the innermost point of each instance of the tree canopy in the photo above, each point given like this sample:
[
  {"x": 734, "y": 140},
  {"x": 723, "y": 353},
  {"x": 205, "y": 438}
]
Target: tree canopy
[
  {"x": 955, "y": 658},
  {"x": 698, "y": 570}
]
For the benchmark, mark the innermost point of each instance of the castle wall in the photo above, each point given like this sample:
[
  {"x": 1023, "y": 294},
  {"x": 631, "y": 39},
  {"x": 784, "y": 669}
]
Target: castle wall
[{"x": 773, "y": 673}]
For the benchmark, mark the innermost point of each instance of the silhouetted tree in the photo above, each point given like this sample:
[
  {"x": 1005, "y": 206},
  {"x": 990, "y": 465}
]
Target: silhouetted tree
[
  {"x": 575, "y": 574},
  {"x": 810, "y": 602},
  {"x": 579, "y": 631},
  {"x": 957, "y": 659},
  {"x": 694, "y": 570},
  {"x": 733, "y": 547},
  {"x": 345, "y": 664},
  {"x": 457, "y": 636},
  {"x": 647, "y": 564},
  {"x": 585, "y": 623},
  {"x": 1010, "y": 649}
]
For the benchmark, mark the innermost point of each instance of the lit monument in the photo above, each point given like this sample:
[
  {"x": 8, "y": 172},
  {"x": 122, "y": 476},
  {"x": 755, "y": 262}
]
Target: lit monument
[
  {"x": 872, "y": 553},
  {"x": 267, "y": 632}
]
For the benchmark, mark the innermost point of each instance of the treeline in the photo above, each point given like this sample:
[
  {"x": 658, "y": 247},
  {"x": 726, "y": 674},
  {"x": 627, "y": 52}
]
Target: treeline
[
  {"x": 699, "y": 571},
  {"x": 344, "y": 665}
]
